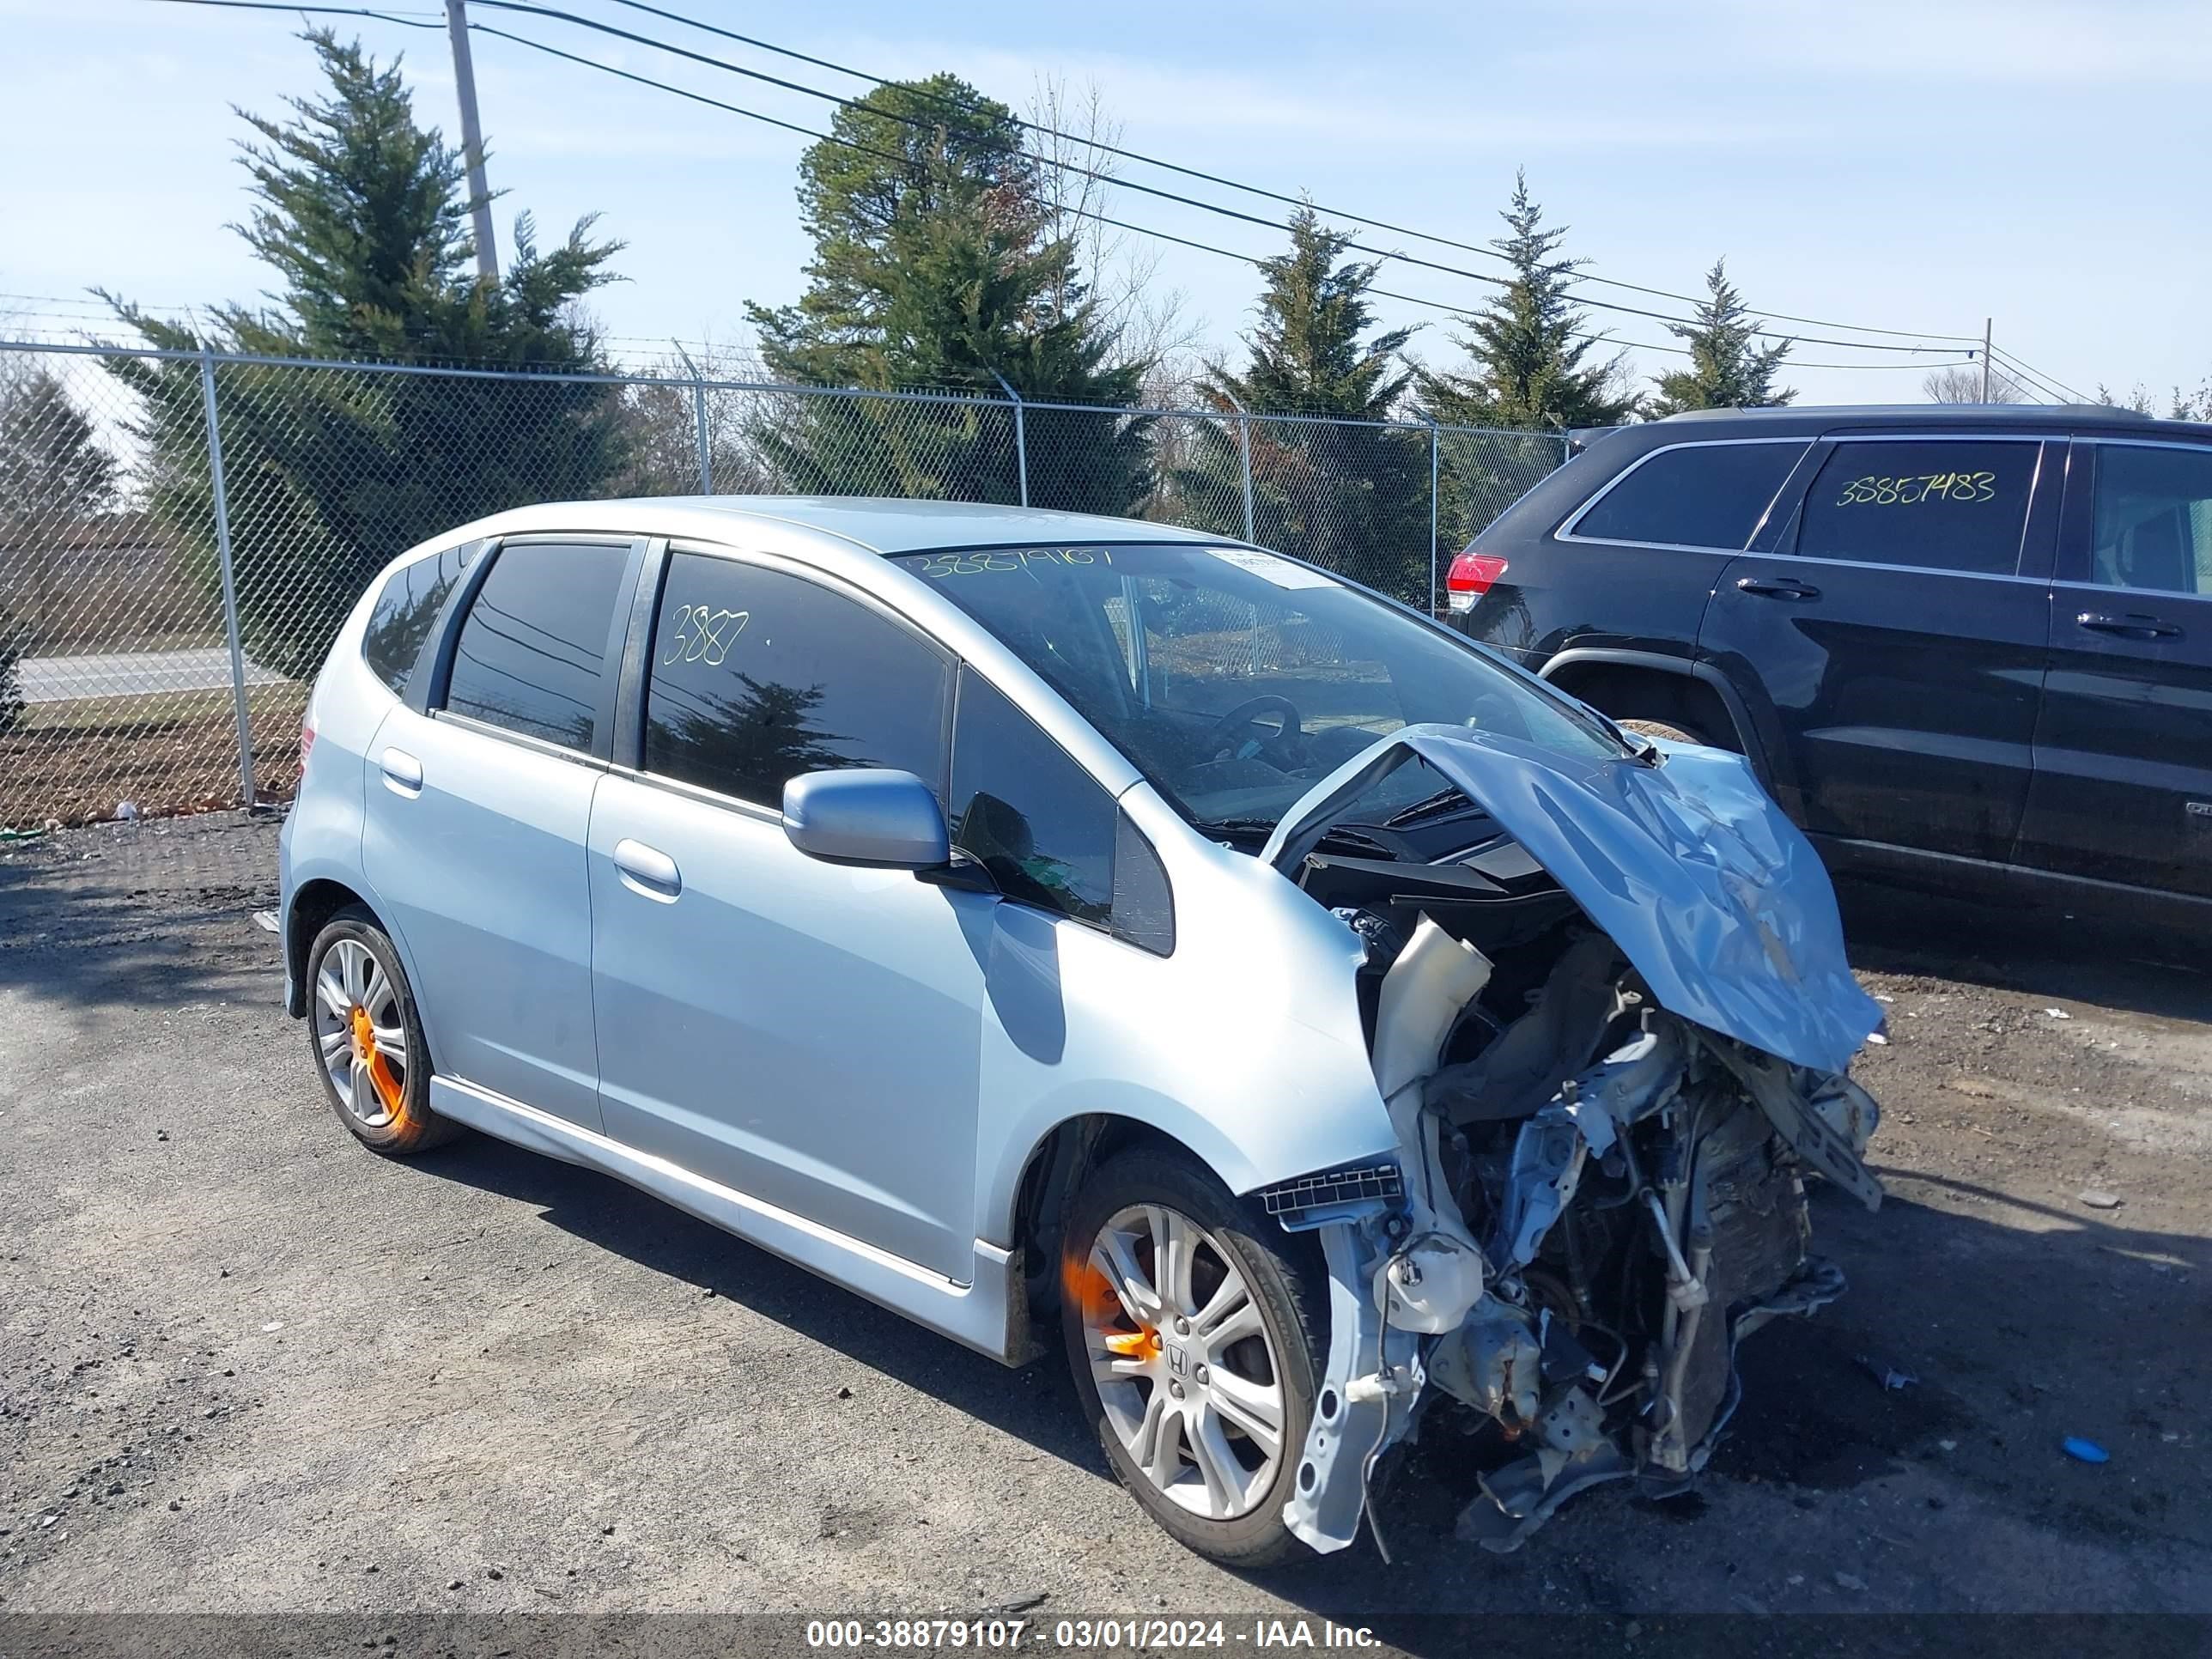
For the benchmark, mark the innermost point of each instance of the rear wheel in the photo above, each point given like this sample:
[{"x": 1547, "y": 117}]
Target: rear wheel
[
  {"x": 1186, "y": 1321},
  {"x": 368, "y": 1038}
]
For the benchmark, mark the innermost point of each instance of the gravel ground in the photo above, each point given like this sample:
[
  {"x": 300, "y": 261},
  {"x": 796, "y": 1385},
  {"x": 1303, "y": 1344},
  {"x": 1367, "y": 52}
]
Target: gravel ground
[{"x": 246, "y": 1366}]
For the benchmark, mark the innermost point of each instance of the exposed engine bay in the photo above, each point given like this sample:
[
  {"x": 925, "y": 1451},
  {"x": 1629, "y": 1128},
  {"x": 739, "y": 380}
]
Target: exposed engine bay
[{"x": 1597, "y": 1197}]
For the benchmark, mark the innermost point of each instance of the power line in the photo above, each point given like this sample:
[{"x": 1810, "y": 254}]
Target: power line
[
  {"x": 1456, "y": 312},
  {"x": 2006, "y": 358},
  {"x": 1229, "y": 183}
]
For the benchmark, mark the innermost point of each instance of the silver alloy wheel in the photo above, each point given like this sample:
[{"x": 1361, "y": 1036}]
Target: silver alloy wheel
[
  {"x": 1190, "y": 1382},
  {"x": 357, "y": 1006}
]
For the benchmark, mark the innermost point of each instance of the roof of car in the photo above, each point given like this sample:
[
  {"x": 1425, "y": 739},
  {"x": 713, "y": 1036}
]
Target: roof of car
[{"x": 876, "y": 524}]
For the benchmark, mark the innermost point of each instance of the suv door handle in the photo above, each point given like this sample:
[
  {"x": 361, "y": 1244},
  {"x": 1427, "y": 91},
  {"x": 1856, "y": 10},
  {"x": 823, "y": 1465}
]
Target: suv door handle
[
  {"x": 2136, "y": 627},
  {"x": 1777, "y": 587},
  {"x": 403, "y": 772},
  {"x": 648, "y": 868}
]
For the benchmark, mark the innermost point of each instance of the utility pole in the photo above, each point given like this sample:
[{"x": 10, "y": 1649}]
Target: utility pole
[
  {"x": 1986, "y": 323},
  {"x": 465, "y": 78}
]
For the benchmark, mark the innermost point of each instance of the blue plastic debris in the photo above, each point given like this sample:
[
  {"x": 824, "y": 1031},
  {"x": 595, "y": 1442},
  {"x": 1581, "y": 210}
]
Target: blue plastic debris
[{"x": 2086, "y": 1452}]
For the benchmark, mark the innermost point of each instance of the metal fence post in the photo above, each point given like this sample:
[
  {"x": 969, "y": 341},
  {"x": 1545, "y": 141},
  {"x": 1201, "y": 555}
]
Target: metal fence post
[
  {"x": 699, "y": 419},
  {"x": 229, "y": 582},
  {"x": 1244, "y": 449},
  {"x": 1021, "y": 437},
  {"x": 1434, "y": 501}
]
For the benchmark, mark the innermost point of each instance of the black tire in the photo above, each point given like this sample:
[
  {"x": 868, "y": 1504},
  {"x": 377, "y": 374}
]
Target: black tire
[
  {"x": 1284, "y": 1274},
  {"x": 412, "y": 1127},
  {"x": 1670, "y": 730}
]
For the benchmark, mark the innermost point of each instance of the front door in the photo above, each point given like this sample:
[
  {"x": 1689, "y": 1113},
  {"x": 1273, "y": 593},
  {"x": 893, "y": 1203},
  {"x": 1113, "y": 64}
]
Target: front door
[
  {"x": 476, "y": 812},
  {"x": 1896, "y": 637},
  {"x": 2123, "y": 786},
  {"x": 804, "y": 1033}
]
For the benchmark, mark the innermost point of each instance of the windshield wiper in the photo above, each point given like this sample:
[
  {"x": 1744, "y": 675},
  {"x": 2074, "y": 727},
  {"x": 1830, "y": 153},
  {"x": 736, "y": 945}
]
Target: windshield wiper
[
  {"x": 1429, "y": 806},
  {"x": 1336, "y": 832}
]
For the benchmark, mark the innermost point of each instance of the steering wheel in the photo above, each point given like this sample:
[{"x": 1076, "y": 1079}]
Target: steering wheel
[{"x": 1246, "y": 714}]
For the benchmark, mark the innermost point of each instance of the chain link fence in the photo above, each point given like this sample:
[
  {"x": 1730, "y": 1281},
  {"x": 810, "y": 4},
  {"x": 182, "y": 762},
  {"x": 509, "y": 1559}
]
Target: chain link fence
[{"x": 181, "y": 533}]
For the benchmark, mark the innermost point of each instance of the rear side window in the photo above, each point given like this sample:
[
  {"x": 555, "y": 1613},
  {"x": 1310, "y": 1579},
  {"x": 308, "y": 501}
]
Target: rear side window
[
  {"x": 2154, "y": 519},
  {"x": 409, "y": 603},
  {"x": 532, "y": 654},
  {"x": 1699, "y": 496},
  {"x": 758, "y": 677},
  {"x": 1943, "y": 505}
]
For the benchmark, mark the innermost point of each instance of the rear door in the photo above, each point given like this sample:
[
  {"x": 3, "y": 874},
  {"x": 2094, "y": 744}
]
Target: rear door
[
  {"x": 2123, "y": 787},
  {"x": 479, "y": 798},
  {"x": 1891, "y": 644}
]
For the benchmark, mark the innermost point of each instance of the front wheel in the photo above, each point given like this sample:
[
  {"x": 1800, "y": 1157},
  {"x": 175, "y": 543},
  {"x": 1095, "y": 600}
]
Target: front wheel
[{"x": 1186, "y": 1315}]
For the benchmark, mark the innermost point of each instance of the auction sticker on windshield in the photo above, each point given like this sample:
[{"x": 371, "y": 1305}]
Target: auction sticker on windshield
[{"x": 1281, "y": 572}]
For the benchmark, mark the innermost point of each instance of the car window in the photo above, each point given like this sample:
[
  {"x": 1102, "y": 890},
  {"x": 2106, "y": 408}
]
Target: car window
[
  {"x": 1946, "y": 505},
  {"x": 758, "y": 675},
  {"x": 532, "y": 654},
  {"x": 2154, "y": 519},
  {"x": 1021, "y": 807},
  {"x": 1699, "y": 496},
  {"x": 404, "y": 610}
]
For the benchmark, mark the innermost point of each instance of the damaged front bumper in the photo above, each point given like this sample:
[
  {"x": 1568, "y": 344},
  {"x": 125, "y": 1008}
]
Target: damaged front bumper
[
  {"x": 1413, "y": 1316},
  {"x": 1593, "y": 1211}
]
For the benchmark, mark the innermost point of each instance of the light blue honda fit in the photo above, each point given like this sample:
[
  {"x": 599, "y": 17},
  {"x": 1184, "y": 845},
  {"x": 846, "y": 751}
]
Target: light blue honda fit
[{"x": 1024, "y": 920}]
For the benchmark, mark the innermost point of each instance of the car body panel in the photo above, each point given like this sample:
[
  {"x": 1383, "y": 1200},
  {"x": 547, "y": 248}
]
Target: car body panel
[{"x": 1714, "y": 896}]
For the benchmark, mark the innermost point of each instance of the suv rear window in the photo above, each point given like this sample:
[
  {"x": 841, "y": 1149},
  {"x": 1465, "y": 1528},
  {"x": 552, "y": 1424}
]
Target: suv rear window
[
  {"x": 1945, "y": 506},
  {"x": 1698, "y": 495}
]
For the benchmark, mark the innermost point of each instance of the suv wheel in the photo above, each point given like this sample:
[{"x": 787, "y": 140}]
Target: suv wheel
[
  {"x": 369, "y": 1048},
  {"x": 1187, "y": 1323},
  {"x": 1669, "y": 731}
]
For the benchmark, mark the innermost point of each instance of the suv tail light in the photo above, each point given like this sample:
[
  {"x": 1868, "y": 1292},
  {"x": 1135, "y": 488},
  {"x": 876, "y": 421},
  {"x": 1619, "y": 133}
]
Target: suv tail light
[
  {"x": 307, "y": 743},
  {"x": 1469, "y": 579}
]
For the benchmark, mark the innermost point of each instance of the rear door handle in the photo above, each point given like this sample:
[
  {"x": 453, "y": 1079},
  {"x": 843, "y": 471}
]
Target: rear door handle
[
  {"x": 648, "y": 869},
  {"x": 2136, "y": 627},
  {"x": 403, "y": 772},
  {"x": 1777, "y": 587}
]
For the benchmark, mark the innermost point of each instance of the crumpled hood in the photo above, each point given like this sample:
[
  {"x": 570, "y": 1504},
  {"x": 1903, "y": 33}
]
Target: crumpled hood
[{"x": 1713, "y": 894}]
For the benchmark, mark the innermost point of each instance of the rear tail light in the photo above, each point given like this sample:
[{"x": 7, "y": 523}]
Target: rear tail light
[
  {"x": 1469, "y": 579},
  {"x": 307, "y": 743}
]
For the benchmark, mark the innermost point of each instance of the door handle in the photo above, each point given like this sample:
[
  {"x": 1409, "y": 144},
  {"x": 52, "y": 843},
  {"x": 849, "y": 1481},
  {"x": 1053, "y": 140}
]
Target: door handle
[
  {"x": 2134, "y": 627},
  {"x": 403, "y": 772},
  {"x": 1777, "y": 587},
  {"x": 649, "y": 867}
]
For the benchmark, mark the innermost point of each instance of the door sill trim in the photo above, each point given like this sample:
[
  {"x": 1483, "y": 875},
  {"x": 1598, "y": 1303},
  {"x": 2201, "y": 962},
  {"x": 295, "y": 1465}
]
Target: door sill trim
[
  {"x": 984, "y": 1314},
  {"x": 1877, "y": 858}
]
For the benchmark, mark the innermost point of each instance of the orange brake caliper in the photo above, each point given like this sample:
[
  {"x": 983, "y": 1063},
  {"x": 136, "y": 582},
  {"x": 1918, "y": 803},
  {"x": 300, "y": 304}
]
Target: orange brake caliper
[{"x": 389, "y": 1088}]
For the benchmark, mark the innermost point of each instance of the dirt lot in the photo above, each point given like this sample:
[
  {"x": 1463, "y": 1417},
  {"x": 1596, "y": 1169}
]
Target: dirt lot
[{"x": 246, "y": 1366}]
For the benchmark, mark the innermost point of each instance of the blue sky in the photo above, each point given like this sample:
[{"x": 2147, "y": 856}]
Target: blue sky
[{"x": 1917, "y": 166}]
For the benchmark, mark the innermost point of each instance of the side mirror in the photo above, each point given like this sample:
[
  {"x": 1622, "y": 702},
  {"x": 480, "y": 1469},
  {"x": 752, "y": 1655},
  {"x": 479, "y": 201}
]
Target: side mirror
[{"x": 870, "y": 816}]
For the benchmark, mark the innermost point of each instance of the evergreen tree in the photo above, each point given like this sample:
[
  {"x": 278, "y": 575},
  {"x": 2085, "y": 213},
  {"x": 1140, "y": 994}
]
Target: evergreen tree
[
  {"x": 54, "y": 474},
  {"x": 361, "y": 213},
  {"x": 936, "y": 263},
  {"x": 1729, "y": 368},
  {"x": 1351, "y": 498},
  {"x": 1528, "y": 344}
]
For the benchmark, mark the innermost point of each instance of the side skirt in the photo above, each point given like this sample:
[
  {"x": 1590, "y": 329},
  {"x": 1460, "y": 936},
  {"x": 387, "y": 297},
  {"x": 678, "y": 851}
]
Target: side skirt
[{"x": 989, "y": 1314}]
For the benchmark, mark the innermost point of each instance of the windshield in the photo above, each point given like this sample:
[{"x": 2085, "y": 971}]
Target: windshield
[{"x": 1234, "y": 679}]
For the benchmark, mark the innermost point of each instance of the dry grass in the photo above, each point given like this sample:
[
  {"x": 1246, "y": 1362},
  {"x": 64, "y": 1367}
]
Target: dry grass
[{"x": 171, "y": 751}]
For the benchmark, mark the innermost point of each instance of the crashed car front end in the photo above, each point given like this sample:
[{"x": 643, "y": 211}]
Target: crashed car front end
[{"x": 1607, "y": 1084}]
